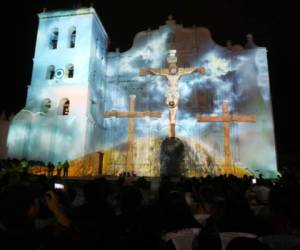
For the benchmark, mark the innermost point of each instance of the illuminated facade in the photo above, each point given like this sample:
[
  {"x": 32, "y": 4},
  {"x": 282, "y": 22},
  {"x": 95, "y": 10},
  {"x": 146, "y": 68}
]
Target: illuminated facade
[
  {"x": 58, "y": 121},
  {"x": 75, "y": 80}
]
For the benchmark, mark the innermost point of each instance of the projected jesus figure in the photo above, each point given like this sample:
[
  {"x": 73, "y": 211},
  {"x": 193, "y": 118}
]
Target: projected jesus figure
[{"x": 173, "y": 74}]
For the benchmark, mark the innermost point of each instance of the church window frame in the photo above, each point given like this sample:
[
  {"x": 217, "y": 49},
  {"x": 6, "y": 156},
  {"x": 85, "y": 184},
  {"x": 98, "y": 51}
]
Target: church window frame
[
  {"x": 72, "y": 37},
  {"x": 64, "y": 107},
  {"x": 46, "y": 105},
  {"x": 53, "y": 43},
  {"x": 70, "y": 70},
  {"x": 50, "y": 72}
]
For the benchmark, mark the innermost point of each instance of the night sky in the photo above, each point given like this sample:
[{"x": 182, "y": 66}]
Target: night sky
[{"x": 272, "y": 24}]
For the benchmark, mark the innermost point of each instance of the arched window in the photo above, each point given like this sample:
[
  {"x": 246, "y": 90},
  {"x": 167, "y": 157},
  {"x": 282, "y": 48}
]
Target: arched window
[
  {"x": 70, "y": 71},
  {"x": 54, "y": 39},
  {"x": 46, "y": 105},
  {"x": 50, "y": 72},
  {"x": 64, "y": 107},
  {"x": 72, "y": 38}
]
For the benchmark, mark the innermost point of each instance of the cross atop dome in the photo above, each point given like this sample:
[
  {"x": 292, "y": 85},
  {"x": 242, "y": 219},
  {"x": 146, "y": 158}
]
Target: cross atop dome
[{"x": 170, "y": 20}]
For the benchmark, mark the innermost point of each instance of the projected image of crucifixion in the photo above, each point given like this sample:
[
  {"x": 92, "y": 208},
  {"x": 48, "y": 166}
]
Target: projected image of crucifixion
[
  {"x": 86, "y": 109},
  {"x": 173, "y": 74}
]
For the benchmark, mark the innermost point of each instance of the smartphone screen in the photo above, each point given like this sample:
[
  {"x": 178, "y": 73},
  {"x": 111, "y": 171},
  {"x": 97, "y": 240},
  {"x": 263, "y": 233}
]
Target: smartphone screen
[{"x": 58, "y": 186}]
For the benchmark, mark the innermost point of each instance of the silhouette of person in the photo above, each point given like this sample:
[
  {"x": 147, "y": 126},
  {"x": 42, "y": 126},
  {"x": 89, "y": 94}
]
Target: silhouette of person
[
  {"x": 51, "y": 167},
  {"x": 58, "y": 168},
  {"x": 66, "y": 166}
]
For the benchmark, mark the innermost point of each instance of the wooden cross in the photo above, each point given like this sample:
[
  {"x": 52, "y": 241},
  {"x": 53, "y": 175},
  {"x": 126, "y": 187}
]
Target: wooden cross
[
  {"x": 226, "y": 118},
  {"x": 131, "y": 115}
]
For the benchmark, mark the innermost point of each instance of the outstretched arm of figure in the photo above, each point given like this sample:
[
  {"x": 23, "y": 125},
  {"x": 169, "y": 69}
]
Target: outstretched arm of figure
[
  {"x": 144, "y": 72},
  {"x": 186, "y": 71}
]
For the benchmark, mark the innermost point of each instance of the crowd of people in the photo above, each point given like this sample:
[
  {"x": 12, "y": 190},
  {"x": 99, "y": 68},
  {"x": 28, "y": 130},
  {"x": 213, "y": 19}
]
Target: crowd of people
[
  {"x": 211, "y": 213},
  {"x": 59, "y": 169}
]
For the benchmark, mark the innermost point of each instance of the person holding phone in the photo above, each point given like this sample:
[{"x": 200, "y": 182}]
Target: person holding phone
[{"x": 52, "y": 202}]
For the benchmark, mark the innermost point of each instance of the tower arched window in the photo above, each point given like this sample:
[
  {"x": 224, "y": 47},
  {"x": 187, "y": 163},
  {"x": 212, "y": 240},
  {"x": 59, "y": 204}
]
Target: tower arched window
[
  {"x": 70, "y": 71},
  {"x": 72, "y": 38},
  {"x": 64, "y": 107},
  {"x": 46, "y": 105},
  {"x": 54, "y": 39},
  {"x": 50, "y": 72}
]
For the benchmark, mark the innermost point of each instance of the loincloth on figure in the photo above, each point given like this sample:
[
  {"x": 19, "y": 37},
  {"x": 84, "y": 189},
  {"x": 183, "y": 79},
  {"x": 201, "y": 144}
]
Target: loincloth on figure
[{"x": 172, "y": 97}]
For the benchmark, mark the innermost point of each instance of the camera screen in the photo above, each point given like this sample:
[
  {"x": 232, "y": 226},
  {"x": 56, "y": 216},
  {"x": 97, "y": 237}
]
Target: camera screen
[{"x": 58, "y": 186}]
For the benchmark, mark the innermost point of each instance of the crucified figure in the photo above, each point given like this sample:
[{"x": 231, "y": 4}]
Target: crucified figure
[{"x": 173, "y": 74}]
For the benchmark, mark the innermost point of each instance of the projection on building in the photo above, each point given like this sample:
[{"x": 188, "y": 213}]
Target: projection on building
[{"x": 83, "y": 99}]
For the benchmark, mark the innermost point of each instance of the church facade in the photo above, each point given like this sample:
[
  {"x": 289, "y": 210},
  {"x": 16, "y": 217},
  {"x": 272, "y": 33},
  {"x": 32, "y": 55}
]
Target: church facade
[{"x": 75, "y": 80}]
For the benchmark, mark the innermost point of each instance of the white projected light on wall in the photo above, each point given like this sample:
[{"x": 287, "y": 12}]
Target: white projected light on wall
[{"x": 75, "y": 80}]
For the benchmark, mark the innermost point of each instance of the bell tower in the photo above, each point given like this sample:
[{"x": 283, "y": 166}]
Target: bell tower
[{"x": 57, "y": 122}]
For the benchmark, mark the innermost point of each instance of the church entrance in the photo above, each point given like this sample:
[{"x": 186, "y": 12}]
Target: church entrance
[{"x": 172, "y": 157}]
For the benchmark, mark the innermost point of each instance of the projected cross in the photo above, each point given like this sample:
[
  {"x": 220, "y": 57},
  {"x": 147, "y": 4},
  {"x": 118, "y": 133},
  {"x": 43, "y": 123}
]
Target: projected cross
[
  {"x": 173, "y": 74},
  {"x": 226, "y": 118},
  {"x": 131, "y": 115}
]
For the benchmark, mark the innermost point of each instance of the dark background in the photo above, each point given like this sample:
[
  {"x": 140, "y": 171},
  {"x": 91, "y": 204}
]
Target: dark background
[{"x": 273, "y": 25}]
